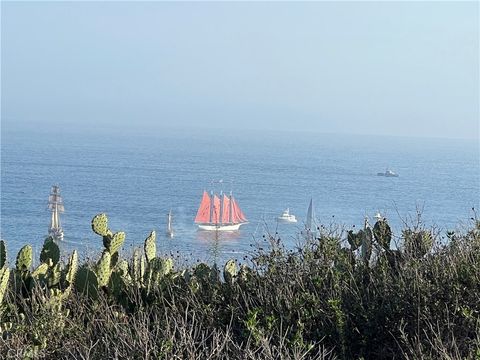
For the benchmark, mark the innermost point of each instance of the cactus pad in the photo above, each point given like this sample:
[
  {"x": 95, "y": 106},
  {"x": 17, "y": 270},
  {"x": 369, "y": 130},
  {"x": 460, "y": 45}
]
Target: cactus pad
[
  {"x": 382, "y": 233},
  {"x": 24, "y": 258},
  {"x": 114, "y": 243},
  {"x": 3, "y": 254},
  {"x": 161, "y": 267},
  {"x": 355, "y": 240},
  {"x": 53, "y": 278},
  {"x": 4, "y": 276},
  {"x": 150, "y": 247},
  {"x": 103, "y": 268},
  {"x": 167, "y": 266},
  {"x": 116, "y": 284},
  {"x": 100, "y": 224},
  {"x": 86, "y": 282},
  {"x": 230, "y": 271},
  {"x": 122, "y": 268},
  {"x": 204, "y": 273},
  {"x": 41, "y": 270},
  {"x": 367, "y": 237},
  {"x": 136, "y": 273},
  {"x": 50, "y": 250},
  {"x": 72, "y": 267},
  {"x": 245, "y": 273}
]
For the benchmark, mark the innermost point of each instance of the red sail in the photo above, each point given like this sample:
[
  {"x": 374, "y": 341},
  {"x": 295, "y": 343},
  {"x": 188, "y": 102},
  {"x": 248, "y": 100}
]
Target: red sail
[
  {"x": 216, "y": 210},
  {"x": 238, "y": 215},
  {"x": 226, "y": 210},
  {"x": 203, "y": 213}
]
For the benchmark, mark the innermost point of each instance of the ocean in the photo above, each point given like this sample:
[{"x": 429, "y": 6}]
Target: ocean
[{"x": 136, "y": 179}]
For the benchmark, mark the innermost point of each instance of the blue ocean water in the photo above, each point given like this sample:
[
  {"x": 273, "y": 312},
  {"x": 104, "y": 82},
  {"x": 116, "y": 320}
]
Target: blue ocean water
[{"x": 136, "y": 179}]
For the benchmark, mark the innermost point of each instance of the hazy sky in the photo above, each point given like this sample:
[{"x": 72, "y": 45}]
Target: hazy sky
[{"x": 408, "y": 68}]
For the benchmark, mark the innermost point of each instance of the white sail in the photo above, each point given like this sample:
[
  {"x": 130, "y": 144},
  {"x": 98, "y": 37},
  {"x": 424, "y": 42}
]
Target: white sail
[
  {"x": 310, "y": 221},
  {"x": 169, "y": 224}
]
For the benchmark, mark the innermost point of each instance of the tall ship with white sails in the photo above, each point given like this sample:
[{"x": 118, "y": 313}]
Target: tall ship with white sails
[
  {"x": 55, "y": 205},
  {"x": 219, "y": 213}
]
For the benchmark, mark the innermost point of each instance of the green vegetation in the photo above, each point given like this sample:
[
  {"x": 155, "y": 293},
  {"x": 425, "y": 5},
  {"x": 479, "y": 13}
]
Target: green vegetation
[{"x": 331, "y": 298}]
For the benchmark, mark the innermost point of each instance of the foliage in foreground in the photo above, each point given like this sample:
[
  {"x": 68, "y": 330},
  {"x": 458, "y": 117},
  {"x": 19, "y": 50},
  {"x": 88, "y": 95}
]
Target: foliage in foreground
[{"x": 323, "y": 300}]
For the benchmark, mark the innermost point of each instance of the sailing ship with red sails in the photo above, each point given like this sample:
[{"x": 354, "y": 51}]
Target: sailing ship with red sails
[{"x": 219, "y": 212}]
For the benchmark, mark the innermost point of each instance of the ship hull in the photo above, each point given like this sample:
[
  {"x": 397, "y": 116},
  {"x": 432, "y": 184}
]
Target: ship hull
[
  {"x": 218, "y": 227},
  {"x": 56, "y": 234}
]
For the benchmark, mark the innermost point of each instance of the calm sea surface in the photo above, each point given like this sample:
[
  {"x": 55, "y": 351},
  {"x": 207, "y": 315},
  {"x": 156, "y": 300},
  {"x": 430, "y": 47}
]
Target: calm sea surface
[{"x": 137, "y": 179}]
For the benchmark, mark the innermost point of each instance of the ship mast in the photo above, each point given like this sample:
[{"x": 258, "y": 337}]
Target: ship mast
[
  {"x": 220, "y": 219},
  {"x": 230, "y": 203}
]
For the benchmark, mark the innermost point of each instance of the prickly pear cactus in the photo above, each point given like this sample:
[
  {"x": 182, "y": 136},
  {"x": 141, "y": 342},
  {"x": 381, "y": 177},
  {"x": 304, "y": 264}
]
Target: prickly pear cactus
[
  {"x": 367, "y": 237},
  {"x": 205, "y": 274},
  {"x": 167, "y": 266},
  {"x": 355, "y": 240},
  {"x": 103, "y": 269},
  {"x": 136, "y": 273},
  {"x": 245, "y": 273},
  {"x": 417, "y": 244},
  {"x": 54, "y": 276},
  {"x": 40, "y": 271},
  {"x": 115, "y": 242},
  {"x": 122, "y": 269},
  {"x": 72, "y": 267},
  {"x": 4, "y": 276},
  {"x": 116, "y": 284},
  {"x": 143, "y": 267},
  {"x": 150, "y": 247},
  {"x": 3, "y": 254},
  {"x": 382, "y": 233},
  {"x": 230, "y": 271},
  {"x": 50, "y": 250},
  {"x": 86, "y": 282},
  {"x": 100, "y": 224},
  {"x": 24, "y": 258},
  {"x": 158, "y": 268}
]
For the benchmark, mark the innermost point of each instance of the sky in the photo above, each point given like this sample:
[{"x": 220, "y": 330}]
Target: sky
[{"x": 381, "y": 68}]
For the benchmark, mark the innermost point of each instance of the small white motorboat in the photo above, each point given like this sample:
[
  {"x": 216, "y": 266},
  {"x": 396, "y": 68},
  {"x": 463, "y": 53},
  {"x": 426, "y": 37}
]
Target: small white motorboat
[
  {"x": 388, "y": 173},
  {"x": 286, "y": 217}
]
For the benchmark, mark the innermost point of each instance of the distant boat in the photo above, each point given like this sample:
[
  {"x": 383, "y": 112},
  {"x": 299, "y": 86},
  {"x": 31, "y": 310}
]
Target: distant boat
[
  {"x": 219, "y": 212},
  {"x": 286, "y": 217},
  {"x": 310, "y": 230},
  {"x": 55, "y": 204},
  {"x": 169, "y": 224},
  {"x": 387, "y": 173}
]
